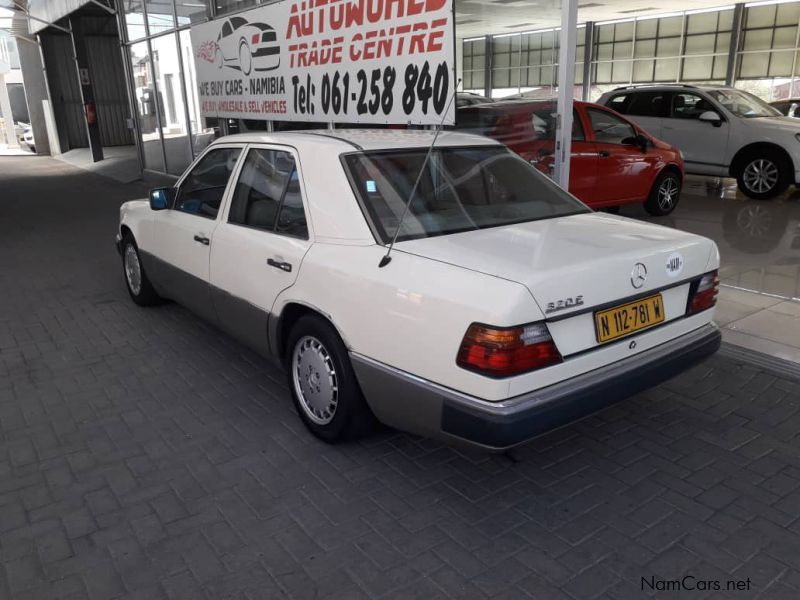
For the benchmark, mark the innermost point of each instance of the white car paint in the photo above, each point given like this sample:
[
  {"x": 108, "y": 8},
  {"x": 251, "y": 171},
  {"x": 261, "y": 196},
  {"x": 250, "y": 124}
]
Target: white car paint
[
  {"x": 411, "y": 315},
  {"x": 708, "y": 149}
]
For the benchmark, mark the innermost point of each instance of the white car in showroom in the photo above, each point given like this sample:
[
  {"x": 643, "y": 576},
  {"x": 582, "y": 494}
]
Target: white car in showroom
[
  {"x": 721, "y": 131},
  {"x": 505, "y": 308}
]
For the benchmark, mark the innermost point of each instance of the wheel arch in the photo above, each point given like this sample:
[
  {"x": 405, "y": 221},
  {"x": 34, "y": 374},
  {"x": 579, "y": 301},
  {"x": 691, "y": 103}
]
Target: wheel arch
[
  {"x": 737, "y": 163},
  {"x": 282, "y": 323},
  {"x": 673, "y": 168}
]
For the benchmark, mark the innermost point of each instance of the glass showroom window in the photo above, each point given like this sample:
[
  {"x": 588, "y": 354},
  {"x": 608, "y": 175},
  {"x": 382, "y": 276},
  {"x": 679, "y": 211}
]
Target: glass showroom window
[
  {"x": 147, "y": 107},
  {"x": 134, "y": 19},
  {"x": 706, "y": 46},
  {"x": 474, "y": 66},
  {"x": 160, "y": 16},
  {"x": 527, "y": 63},
  {"x": 229, "y": 6},
  {"x": 201, "y": 136},
  {"x": 767, "y": 59},
  {"x": 190, "y": 12},
  {"x": 167, "y": 77}
]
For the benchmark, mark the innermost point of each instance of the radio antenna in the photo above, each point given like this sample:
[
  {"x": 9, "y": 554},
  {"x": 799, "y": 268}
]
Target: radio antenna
[{"x": 386, "y": 259}]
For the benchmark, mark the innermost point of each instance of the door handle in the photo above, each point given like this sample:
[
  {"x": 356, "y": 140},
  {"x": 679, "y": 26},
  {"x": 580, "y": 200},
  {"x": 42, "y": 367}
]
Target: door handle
[
  {"x": 202, "y": 239},
  {"x": 604, "y": 154},
  {"x": 283, "y": 266}
]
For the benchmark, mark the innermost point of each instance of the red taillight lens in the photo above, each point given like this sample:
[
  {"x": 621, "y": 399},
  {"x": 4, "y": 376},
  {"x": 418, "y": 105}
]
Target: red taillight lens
[
  {"x": 256, "y": 38},
  {"x": 506, "y": 351},
  {"x": 704, "y": 294}
]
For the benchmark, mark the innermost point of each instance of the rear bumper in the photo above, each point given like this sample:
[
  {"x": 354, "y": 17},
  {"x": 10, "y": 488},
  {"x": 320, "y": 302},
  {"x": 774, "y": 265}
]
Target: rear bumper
[{"x": 413, "y": 404}]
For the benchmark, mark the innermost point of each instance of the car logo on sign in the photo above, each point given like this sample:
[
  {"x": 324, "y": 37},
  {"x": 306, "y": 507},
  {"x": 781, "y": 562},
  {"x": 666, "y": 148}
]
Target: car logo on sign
[{"x": 638, "y": 275}]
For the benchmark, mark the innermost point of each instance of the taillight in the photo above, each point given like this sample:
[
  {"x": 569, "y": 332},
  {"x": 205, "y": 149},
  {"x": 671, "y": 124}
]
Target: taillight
[
  {"x": 506, "y": 351},
  {"x": 703, "y": 293},
  {"x": 256, "y": 38}
]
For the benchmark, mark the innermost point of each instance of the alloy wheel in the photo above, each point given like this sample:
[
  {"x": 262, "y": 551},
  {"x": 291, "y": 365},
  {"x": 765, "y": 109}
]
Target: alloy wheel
[
  {"x": 760, "y": 175},
  {"x": 315, "y": 380},
  {"x": 668, "y": 194},
  {"x": 133, "y": 270}
]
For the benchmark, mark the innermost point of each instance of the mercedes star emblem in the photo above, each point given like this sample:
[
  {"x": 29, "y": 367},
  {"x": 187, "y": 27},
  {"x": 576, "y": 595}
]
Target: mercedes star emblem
[{"x": 638, "y": 275}]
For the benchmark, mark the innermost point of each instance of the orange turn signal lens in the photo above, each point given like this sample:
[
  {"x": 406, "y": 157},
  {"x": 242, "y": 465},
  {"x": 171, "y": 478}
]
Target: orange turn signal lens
[{"x": 507, "y": 351}]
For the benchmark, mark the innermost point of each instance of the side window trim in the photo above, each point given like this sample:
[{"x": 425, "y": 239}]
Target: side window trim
[{"x": 235, "y": 179}]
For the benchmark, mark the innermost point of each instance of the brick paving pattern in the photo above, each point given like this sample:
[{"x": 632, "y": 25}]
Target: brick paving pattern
[{"x": 145, "y": 455}]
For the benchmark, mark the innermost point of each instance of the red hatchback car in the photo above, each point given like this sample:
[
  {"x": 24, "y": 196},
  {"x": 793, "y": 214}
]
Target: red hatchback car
[{"x": 614, "y": 161}]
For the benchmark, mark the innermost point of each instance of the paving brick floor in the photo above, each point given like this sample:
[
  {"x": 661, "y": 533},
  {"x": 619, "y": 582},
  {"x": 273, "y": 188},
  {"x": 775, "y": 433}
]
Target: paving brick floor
[{"x": 145, "y": 455}]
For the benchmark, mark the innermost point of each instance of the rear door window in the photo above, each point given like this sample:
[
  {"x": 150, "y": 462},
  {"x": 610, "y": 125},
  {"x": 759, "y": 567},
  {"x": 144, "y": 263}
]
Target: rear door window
[
  {"x": 647, "y": 104},
  {"x": 620, "y": 103},
  {"x": 267, "y": 194}
]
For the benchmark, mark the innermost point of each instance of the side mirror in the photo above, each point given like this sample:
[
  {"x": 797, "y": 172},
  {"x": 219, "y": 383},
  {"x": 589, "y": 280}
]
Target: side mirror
[
  {"x": 161, "y": 198},
  {"x": 711, "y": 116},
  {"x": 637, "y": 140}
]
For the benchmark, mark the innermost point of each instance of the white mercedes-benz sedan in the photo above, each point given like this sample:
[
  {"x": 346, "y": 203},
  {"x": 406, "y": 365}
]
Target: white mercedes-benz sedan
[{"x": 506, "y": 307}]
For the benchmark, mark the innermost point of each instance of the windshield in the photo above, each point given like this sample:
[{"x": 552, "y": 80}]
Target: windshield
[
  {"x": 744, "y": 104},
  {"x": 461, "y": 189}
]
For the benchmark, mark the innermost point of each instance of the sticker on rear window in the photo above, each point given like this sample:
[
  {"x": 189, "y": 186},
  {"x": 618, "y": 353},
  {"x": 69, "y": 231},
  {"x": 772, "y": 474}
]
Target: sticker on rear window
[
  {"x": 371, "y": 187},
  {"x": 674, "y": 264}
]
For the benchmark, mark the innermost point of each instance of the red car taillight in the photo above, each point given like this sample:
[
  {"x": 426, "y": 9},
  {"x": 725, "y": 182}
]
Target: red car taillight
[
  {"x": 256, "y": 38},
  {"x": 506, "y": 351},
  {"x": 703, "y": 293}
]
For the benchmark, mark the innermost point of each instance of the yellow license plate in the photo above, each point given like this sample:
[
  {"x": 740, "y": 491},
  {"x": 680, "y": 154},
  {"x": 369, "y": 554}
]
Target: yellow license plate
[{"x": 620, "y": 321}]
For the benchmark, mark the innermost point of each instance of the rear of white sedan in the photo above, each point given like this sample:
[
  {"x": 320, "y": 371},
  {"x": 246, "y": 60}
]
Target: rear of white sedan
[
  {"x": 506, "y": 307},
  {"x": 612, "y": 305}
]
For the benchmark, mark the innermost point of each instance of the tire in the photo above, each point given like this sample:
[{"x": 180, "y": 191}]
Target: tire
[
  {"x": 244, "y": 53},
  {"x": 763, "y": 175},
  {"x": 664, "y": 195},
  {"x": 316, "y": 359},
  {"x": 139, "y": 286}
]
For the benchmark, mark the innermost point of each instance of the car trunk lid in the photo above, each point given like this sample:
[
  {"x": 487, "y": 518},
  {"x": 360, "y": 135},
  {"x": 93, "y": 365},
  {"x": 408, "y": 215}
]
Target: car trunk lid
[{"x": 573, "y": 263}]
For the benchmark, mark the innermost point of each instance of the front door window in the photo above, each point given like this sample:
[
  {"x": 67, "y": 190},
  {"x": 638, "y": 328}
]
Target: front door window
[{"x": 201, "y": 191}]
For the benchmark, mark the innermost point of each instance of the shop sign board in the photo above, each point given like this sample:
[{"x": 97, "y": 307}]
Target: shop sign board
[{"x": 345, "y": 61}]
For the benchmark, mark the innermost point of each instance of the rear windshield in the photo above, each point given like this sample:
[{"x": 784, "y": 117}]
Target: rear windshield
[{"x": 460, "y": 189}]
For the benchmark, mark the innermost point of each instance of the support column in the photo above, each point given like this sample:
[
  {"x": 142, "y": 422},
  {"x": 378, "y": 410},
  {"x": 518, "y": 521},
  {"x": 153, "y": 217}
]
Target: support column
[
  {"x": 733, "y": 49},
  {"x": 566, "y": 86},
  {"x": 488, "y": 49},
  {"x": 87, "y": 90},
  {"x": 5, "y": 112},
  {"x": 33, "y": 78},
  {"x": 588, "y": 57}
]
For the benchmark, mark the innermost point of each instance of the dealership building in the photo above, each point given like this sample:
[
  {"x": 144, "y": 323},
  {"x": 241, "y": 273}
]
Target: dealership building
[{"x": 110, "y": 76}]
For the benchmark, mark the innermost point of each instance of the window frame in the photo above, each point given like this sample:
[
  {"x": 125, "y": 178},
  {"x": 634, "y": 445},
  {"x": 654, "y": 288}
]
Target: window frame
[
  {"x": 228, "y": 187},
  {"x": 303, "y": 196}
]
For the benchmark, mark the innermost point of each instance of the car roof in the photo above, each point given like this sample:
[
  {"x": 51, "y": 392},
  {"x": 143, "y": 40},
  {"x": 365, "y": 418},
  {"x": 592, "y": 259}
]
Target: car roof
[
  {"x": 669, "y": 86},
  {"x": 362, "y": 139}
]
